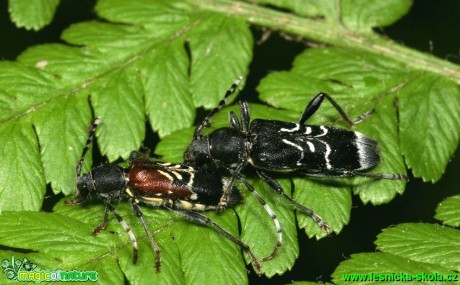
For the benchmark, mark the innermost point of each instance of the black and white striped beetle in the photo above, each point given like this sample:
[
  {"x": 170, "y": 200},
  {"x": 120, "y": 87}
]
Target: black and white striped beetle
[
  {"x": 270, "y": 145},
  {"x": 181, "y": 189}
]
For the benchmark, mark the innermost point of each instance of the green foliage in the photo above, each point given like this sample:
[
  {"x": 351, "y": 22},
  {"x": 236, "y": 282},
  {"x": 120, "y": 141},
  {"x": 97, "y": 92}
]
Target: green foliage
[
  {"x": 32, "y": 14},
  {"x": 370, "y": 13},
  {"x": 437, "y": 97},
  {"x": 449, "y": 211},
  {"x": 131, "y": 67},
  {"x": 63, "y": 240},
  {"x": 412, "y": 248},
  {"x": 162, "y": 60}
]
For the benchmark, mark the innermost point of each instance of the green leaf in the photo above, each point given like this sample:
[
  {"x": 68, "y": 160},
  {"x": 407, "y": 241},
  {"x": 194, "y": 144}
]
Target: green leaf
[
  {"x": 224, "y": 54},
  {"x": 106, "y": 36},
  {"x": 383, "y": 128},
  {"x": 151, "y": 65},
  {"x": 62, "y": 129},
  {"x": 142, "y": 12},
  {"x": 413, "y": 253},
  {"x": 368, "y": 268},
  {"x": 110, "y": 252},
  {"x": 355, "y": 80},
  {"x": 24, "y": 89},
  {"x": 171, "y": 148},
  {"x": 56, "y": 134},
  {"x": 259, "y": 230},
  {"x": 426, "y": 243},
  {"x": 46, "y": 262},
  {"x": 32, "y": 14},
  {"x": 354, "y": 14},
  {"x": 331, "y": 201},
  {"x": 448, "y": 211},
  {"x": 64, "y": 234},
  {"x": 222, "y": 256},
  {"x": 117, "y": 99},
  {"x": 309, "y": 8},
  {"x": 214, "y": 48},
  {"x": 431, "y": 103},
  {"x": 364, "y": 15},
  {"x": 19, "y": 153},
  {"x": 178, "y": 104},
  {"x": 75, "y": 68}
]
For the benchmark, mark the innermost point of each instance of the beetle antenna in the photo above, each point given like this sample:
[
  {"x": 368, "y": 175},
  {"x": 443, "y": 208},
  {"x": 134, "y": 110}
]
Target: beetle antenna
[
  {"x": 214, "y": 111},
  {"x": 92, "y": 130}
]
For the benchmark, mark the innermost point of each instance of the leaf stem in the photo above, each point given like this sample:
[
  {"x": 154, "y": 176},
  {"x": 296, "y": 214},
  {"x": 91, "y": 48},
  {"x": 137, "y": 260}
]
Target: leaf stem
[{"x": 333, "y": 34}]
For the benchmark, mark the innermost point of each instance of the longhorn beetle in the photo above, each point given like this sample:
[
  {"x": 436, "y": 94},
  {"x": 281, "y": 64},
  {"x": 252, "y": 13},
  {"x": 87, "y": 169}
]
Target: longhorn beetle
[
  {"x": 270, "y": 145},
  {"x": 181, "y": 189}
]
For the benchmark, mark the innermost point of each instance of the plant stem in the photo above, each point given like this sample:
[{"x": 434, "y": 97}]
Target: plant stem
[{"x": 332, "y": 33}]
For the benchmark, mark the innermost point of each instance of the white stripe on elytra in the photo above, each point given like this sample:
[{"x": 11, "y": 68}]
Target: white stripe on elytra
[
  {"x": 166, "y": 174},
  {"x": 296, "y": 146},
  {"x": 177, "y": 174},
  {"x": 311, "y": 146},
  {"x": 326, "y": 156},
  {"x": 324, "y": 129},
  {"x": 360, "y": 138},
  {"x": 190, "y": 181},
  {"x": 296, "y": 128}
]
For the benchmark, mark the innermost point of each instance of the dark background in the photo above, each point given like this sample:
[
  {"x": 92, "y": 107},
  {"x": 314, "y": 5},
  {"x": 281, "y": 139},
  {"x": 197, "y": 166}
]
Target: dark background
[{"x": 431, "y": 26}]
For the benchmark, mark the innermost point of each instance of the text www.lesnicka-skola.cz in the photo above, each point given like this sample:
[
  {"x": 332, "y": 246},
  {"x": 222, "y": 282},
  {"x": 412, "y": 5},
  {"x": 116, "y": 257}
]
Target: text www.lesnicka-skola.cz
[{"x": 401, "y": 276}]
